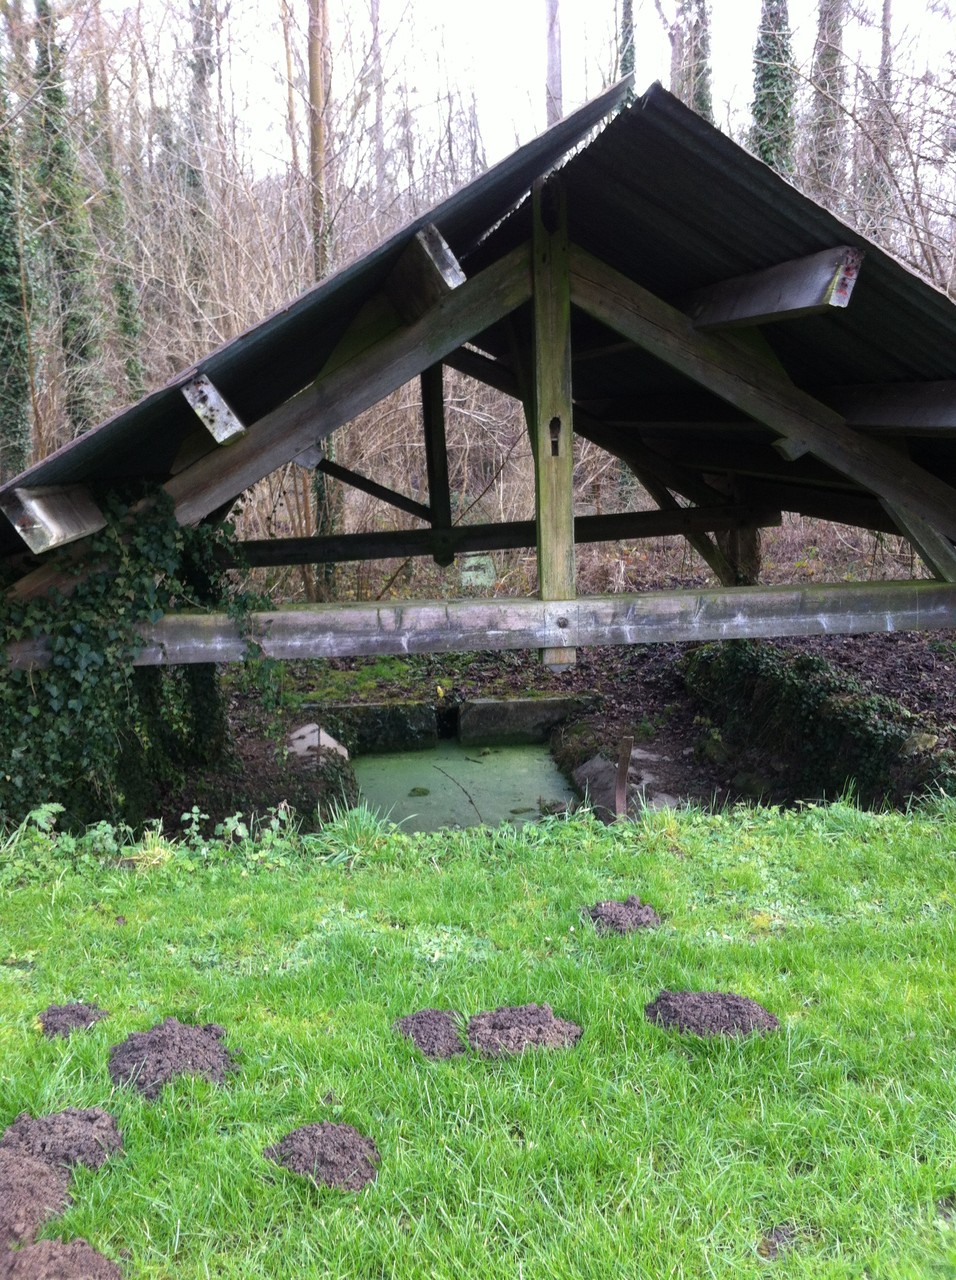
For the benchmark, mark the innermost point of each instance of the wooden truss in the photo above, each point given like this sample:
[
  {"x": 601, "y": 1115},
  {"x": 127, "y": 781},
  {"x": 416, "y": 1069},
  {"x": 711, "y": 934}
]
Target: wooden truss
[{"x": 738, "y": 445}]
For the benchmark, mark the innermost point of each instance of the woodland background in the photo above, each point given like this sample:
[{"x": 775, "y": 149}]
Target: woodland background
[{"x": 138, "y": 232}]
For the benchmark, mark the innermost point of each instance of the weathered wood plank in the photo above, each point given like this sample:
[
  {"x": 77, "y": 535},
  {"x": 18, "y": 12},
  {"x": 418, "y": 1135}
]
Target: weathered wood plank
[
  {"x": 386, "y": 544},
  {"x": 804, "y": 423},
  {"x": 52, "y": 515},
  {"x": 552, "y": 425},
  {"x": 212, "y": 410},
  {"x": 801, "y": 287},
  {"x": 352, "y": 630},
  {"x": 425, "y": 273},
  {"x": 375, "y": 490},
  {"x": 351, "y": 388}
]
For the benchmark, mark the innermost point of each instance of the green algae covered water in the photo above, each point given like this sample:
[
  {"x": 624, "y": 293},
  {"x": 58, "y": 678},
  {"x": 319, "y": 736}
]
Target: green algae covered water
[{"x": 457, "y": 786}]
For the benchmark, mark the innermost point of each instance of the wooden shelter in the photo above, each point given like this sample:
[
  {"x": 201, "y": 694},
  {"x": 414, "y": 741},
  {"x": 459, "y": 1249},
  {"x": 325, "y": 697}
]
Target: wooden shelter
[{"x": 633, "y": 276}]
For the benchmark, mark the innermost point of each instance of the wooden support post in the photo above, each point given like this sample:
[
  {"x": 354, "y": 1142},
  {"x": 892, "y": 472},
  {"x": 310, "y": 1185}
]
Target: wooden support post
[
  {"x": 436, "y": 458},
  {"x": 551, "y": 429}
]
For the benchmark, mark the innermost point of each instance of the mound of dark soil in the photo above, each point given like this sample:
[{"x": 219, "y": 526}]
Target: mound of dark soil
[
  {"x": 513, "y": 1028},
  {"x": 30, "y": 1192},
  {"x": 64, "y": 1019},
  {"x": 333, "y": 1155},
  {"x": 710, "y": 1013},
  {"x": 623, "y": 917},
  {"x": 149, "y": 1059},
  {"x": 434, "y": 1031},
  {"x": 67, "y": 1137},
  {"x": 51, "y": 1260},
  {"x": 777, "y": 1241}
]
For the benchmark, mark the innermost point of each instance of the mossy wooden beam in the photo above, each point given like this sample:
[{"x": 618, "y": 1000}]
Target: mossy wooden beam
[
  {"x": 352, "y": 630},
  {"x": 803, "y": 423},
  {"x": 551, "y": 426}
]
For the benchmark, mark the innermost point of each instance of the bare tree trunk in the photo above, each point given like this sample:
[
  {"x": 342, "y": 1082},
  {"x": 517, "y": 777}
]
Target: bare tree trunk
[
  {"x": 827, "y": 159},
  {"x": 318, "y": 149},
  {"x": 627, "y": 38},
  {"x": 553, "y": 94},
  {"x": 285, "y": 16},
  {"x": 378, "y": 89}
]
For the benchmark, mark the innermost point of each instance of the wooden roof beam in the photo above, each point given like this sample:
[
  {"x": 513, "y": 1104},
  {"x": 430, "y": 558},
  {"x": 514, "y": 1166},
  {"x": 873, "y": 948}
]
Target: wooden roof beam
[
  {"x": 805, "y": 425},
  {"x": 802, "y": 287},
  {"x": 52, "y": 515},
  {"x": 909, "y": 407}
]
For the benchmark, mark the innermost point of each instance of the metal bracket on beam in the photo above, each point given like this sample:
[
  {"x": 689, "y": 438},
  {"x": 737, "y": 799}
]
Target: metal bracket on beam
[
  {"x": 212, "y": 410},
  {"x": 52, "y": 516}
]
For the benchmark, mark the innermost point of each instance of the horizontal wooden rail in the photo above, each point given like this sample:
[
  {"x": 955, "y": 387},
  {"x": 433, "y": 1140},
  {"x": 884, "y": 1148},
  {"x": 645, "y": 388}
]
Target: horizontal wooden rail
[
  {"x": 351, "y": 630},
  {"x": 458, "y": 539}
]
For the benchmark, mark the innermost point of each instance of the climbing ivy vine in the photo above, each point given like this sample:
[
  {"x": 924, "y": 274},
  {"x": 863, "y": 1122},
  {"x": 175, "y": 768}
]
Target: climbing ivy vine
[{"x": 90, "y": 730}]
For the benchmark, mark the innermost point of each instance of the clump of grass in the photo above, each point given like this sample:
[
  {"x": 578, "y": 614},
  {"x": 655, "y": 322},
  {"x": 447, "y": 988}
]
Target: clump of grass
[{"x": 638, "y": 1152}]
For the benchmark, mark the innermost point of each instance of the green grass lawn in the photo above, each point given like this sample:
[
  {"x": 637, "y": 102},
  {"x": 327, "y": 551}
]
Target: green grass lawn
[{"x": 639, "y": 1153}]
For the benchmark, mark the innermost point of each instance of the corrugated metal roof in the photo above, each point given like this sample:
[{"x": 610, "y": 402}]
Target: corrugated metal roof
[
  {"x": 270, "y": 362},
  {"x": 658, "y": 194}
]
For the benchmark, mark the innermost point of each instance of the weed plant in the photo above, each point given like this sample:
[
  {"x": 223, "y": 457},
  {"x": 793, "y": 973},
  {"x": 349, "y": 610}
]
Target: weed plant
[{"x": 638, "y": 1153}]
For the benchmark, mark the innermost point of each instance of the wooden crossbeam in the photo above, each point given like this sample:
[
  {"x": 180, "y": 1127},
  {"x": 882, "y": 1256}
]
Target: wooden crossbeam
[
  {"x": 357, "y": 481},
  {"x": 804, "y": 424},
  {"x": 802, "y": 287},
  {"x": 51, "y": 516},
  {"x": 353, "y": 630},
  {"x": 837, "y": 505},
  {"x": 386, "y": 544}
]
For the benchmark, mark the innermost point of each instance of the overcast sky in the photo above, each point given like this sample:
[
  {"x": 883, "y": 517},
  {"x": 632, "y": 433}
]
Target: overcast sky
[{"x": 496, "y": 49}]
